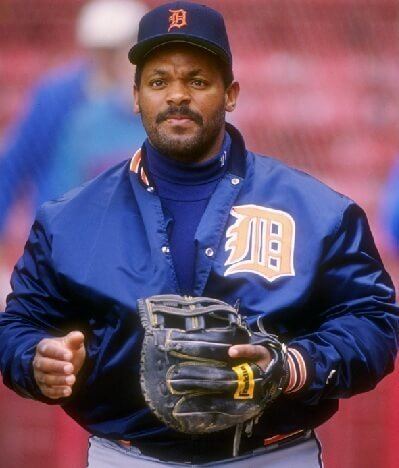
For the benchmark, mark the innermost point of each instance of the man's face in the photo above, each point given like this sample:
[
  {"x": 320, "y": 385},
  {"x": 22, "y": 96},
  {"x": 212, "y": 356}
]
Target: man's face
[{"x": 182, "y": 100}]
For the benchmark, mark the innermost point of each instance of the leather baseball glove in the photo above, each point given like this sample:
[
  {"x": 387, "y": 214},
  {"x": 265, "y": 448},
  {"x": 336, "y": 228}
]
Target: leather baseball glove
[{"x": 188, "y": 379}]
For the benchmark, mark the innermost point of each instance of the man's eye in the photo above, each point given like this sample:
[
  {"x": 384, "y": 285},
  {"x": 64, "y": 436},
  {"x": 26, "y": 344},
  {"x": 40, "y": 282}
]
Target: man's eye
[
  {"x": 198, "y": 83},
  {"x": 157, "y": 83}
]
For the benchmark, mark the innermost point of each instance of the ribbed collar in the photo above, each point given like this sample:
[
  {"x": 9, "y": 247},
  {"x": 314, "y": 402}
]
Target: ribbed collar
[{"x": 168, "y": 169}]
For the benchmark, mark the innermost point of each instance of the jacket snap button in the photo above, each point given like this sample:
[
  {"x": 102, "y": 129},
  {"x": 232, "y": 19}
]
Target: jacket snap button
[
  {"x": 165, "y": 249},
  {"x": 235, "y": 181},
  {"x": 209, "y": 252}
]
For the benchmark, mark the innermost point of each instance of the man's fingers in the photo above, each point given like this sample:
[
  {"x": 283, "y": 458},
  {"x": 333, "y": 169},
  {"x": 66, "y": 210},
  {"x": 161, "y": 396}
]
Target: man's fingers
[
  {"x": 55, "y": 392},
  {"x": 259, "y": 354},
  {"x": 54, "y": 380},
  {"x": 74, "y": 340},
  {"x": 61, "y": 348},
  {"x": 54, "y": 349},
  {"x": 56, "y": 361},
  {"x": 52, "y": 366},
  {"x": 248, "y": 351}
]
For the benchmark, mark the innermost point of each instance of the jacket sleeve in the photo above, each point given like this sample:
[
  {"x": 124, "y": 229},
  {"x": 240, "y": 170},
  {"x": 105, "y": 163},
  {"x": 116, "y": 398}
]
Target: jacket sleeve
[
  {"x": 36, "y": 308},
  {"x": 354, "y": 341}
]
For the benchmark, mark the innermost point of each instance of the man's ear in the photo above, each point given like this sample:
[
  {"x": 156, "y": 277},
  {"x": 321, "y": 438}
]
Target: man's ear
[
  {"x": 232, "y": 93},
  {"x": 136, "y": 105}
]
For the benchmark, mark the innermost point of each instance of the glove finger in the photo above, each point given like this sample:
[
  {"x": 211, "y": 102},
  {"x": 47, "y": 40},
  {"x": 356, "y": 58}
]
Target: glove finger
[
  {"x": 232, "y": 335},
  {"x": 189, "y": 377},
  {"x": 193, "y": 378},
  {"x": 199, "y": 350},
  {"x": 209, "y": 413},
  {"x": 210, "y": 345}
]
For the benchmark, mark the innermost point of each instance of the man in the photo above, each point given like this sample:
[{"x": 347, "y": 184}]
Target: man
[{"x": 195, "y": 213}]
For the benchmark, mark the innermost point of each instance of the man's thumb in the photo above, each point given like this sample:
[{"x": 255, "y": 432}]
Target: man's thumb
[{"x": 74, "y": 340}]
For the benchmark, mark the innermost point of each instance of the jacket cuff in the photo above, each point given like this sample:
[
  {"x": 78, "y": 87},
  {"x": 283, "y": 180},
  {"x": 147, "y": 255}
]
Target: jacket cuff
[{"x": 300, "y": 371}]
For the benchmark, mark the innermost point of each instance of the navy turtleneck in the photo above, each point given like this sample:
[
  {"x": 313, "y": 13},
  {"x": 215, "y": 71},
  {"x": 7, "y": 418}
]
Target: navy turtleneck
[{"x": 184, "y": 190}]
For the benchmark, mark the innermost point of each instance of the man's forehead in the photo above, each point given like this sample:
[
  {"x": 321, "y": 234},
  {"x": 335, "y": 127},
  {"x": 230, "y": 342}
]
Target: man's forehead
[{"x": 181, "y": 55}]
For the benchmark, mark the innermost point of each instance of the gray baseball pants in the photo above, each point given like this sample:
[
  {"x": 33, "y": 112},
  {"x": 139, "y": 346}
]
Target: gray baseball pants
[{"x": 104, "y": 453}]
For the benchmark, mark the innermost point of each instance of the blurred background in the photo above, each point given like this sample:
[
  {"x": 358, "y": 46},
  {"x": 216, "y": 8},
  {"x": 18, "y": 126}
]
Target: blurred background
[{"x": 319, "y": 81}]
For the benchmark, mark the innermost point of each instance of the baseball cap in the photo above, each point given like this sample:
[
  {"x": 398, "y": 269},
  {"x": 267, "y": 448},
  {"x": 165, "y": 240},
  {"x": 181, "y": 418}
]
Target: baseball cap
[
  {"x": 187, "y": 22},
  {"x": 109, "y": 23}
]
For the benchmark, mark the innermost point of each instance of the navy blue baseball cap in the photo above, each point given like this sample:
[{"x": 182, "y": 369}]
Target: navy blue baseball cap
[{"x": 187, "y": 22}]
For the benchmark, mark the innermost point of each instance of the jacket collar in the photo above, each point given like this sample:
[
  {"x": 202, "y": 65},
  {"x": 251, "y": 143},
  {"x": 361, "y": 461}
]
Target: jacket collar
[{"x": 236, "y": 161}]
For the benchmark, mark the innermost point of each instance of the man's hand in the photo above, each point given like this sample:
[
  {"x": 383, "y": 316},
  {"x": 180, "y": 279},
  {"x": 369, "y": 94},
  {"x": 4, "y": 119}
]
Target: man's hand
[
  {"x": 57, "y": 363},
  {"x": 255, "y": 353}
]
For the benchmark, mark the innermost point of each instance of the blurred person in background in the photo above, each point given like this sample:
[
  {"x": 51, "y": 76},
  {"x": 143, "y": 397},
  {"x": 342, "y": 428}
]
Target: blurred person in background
[
  {"x": 80, "y": 118},
  {"x": 390, "y": 208}
]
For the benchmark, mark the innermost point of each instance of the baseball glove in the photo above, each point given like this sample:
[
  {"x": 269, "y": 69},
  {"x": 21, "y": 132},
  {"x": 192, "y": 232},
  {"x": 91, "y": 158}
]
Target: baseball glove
[{"x": 188, "y": 379}]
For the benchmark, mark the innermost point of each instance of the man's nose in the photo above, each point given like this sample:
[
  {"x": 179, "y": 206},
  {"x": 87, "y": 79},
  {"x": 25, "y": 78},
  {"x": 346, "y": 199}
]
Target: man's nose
[{"x": 178, "y": 94}]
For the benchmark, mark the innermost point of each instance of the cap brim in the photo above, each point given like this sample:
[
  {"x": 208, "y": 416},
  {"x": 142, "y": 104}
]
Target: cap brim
[{"x": 139, "y": 51}]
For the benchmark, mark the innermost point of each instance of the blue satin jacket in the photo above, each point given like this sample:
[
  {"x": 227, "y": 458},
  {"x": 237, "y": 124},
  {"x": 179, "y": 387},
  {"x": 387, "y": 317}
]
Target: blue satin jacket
[{"x": 290, "y": 249}]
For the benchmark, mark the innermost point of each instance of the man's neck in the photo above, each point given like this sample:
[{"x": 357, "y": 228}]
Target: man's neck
[{"x": 167, "y": 168}]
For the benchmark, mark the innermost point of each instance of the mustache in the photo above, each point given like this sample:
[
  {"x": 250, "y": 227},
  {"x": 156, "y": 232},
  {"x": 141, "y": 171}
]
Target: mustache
[{"x": 183, "y": 111}]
